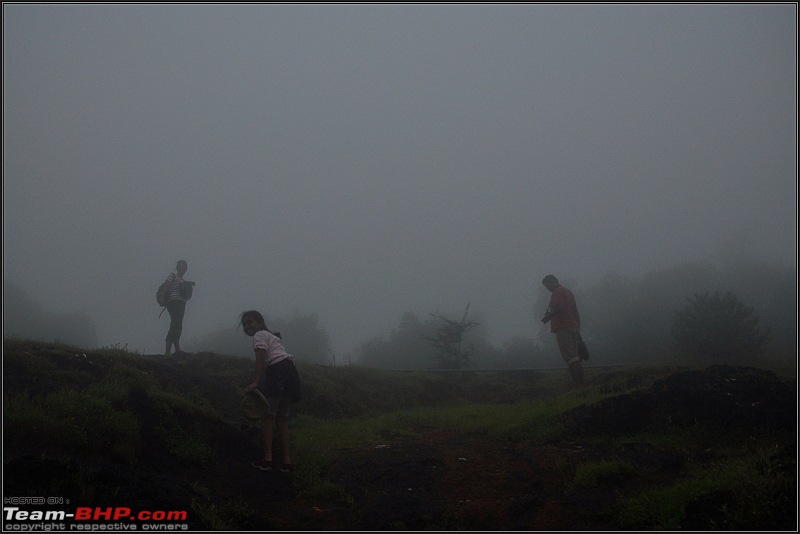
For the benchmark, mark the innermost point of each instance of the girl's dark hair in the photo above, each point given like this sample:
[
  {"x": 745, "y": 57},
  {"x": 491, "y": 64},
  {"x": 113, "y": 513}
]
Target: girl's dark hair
[{"x": 252, "y": 314}]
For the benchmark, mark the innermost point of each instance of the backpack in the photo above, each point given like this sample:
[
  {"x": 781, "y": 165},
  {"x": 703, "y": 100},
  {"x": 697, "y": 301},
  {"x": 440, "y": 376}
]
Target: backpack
[{"x": 162, "y": 294}]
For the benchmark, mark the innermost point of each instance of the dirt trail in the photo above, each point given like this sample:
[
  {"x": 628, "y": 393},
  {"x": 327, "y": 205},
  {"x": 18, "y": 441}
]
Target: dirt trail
[{"x": 437, "y": 480}]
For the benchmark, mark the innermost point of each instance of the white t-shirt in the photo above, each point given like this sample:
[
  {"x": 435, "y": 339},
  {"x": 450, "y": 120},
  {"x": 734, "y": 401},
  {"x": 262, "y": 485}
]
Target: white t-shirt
[{"x": 271, "y": 343}]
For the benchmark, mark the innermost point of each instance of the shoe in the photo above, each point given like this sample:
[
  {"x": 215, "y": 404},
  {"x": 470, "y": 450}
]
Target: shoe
[
  {"x": 286, "y": 468},
  {"x": 264, "y": 465}
]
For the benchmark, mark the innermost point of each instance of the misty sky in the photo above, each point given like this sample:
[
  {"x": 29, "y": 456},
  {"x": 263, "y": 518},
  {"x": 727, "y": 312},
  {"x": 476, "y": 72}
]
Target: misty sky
[{"x": 360, "y": 161}]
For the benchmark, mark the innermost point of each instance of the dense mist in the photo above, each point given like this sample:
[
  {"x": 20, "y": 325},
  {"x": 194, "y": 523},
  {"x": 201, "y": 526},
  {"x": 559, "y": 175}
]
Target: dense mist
[
  {"x": 349, "y": 170},
  {"x": 624, "y": 320}
]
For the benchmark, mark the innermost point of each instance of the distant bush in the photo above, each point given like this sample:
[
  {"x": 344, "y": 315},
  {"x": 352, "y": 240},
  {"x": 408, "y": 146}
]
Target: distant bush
[{"x": 717, "y": 329}]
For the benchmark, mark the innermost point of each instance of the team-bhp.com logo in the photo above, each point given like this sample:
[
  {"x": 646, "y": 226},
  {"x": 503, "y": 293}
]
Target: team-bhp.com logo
[{"x": 92, "y": 518}]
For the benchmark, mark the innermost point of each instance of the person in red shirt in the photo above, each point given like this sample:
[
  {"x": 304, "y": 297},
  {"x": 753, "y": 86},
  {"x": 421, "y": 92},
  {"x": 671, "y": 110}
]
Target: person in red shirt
[{"x": 565, "y": 323}]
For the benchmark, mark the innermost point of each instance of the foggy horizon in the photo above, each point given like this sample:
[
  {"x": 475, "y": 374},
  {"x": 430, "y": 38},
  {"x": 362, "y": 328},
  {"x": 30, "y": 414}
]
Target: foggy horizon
[{"x": 361, "y": 161}]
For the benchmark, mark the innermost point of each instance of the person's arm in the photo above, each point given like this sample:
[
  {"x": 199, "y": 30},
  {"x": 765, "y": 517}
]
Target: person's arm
[
  {"x": 551, "y": 312},
  {"x": 169, "y": 280},
  {"x": 261, "y": 358}
]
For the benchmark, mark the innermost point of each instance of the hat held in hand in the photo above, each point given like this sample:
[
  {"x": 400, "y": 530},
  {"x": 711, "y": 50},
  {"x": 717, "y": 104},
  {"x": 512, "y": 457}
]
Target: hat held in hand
[{"x": 254, "y": 405}]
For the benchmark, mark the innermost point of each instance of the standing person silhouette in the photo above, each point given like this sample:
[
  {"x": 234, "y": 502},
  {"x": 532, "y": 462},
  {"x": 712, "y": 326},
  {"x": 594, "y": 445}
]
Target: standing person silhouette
[
  {"x": 565, "y": 323},
  {"x": 179, "y": 292}
]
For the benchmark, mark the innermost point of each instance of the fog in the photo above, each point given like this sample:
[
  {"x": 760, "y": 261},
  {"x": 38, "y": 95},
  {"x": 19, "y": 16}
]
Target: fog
[{"x": 360, "y": 161}]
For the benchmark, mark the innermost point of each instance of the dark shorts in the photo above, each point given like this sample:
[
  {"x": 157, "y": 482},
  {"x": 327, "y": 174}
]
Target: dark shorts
[{"x": 280, "y": 380}]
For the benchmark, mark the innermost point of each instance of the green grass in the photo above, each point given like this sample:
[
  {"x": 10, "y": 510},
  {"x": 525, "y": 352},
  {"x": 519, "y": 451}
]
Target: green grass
[
  {"x": 73, "y": 421},
  {"x": 762, "y": 484}
]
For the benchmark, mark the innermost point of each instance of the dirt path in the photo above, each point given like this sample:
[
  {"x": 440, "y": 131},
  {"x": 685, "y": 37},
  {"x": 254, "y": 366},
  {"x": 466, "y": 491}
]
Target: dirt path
[{"x": 437, "y": 481}]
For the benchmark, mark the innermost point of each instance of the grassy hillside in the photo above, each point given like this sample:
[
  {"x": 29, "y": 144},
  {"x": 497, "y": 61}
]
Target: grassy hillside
[{"x": 642, "y": 447}]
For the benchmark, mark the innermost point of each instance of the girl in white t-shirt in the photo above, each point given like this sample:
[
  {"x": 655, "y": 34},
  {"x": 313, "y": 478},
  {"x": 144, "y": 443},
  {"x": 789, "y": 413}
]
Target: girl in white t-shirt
[{"x": 277, "y": 379}]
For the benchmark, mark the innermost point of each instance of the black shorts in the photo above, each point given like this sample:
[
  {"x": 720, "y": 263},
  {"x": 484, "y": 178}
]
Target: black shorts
[{"x": 281, "y": 380}]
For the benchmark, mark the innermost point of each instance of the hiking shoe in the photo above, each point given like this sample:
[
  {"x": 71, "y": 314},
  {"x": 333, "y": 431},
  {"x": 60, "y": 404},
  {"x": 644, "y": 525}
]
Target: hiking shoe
[
  {"x": 286, "y": 468},
  {"x": 264, "y": 465}
]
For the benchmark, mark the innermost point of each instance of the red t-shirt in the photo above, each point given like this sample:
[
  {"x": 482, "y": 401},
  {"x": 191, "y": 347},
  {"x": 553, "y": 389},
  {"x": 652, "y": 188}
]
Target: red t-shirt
[{"x": 568, "y": 316}]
